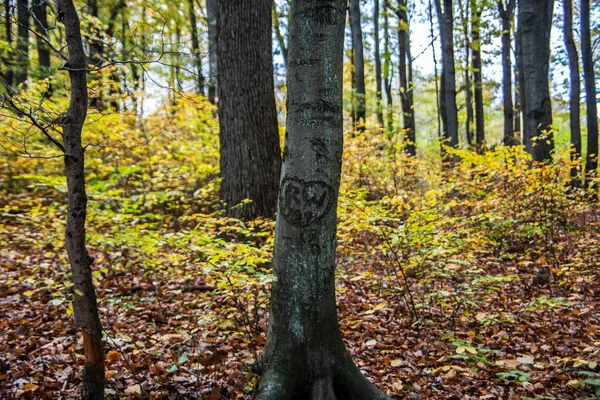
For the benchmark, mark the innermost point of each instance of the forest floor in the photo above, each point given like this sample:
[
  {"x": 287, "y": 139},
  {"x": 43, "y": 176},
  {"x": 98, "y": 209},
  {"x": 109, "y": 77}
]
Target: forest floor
[{"x": 479, "y": 283}]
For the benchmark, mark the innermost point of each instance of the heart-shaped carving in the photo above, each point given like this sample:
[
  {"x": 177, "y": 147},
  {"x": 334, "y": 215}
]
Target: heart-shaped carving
[{"x": 304, "y": 203}]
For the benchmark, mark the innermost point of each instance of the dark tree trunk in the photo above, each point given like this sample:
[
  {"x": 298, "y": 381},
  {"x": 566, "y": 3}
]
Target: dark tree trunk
[
  {"x": 506, "y": 15},
  {"x": 8, "y": 76},
  {"x": 535, "y": 23},
  {"x": 575, "y": 92},
  {"x": 359, "y": 64},
  {"x": 41, "y": 26},
  {"x": 591, "y": 161},
  {"x": 279, "y": 35},
  {"x": 22, "y": 42},
  {"x": 517, "y": 113},
  {"x": 96, "y": 46},
  {"x": 84, "y": 303},
  {"x": 250, "y": 152},
  {"x": 406, "y": 83},
  {"x": 477, "y": 77},
  {"x": 211, "y": 21},
  {"x": 305, "y": 357},
  {"x": 435, "y": 76},
  {"x": 199, "y": 78},
  {"x": 448, "y": 109},
  {"x": 377, "y": 63},
  {"x": 468, "y": 90},
  {"x": 388, "y": 74}
]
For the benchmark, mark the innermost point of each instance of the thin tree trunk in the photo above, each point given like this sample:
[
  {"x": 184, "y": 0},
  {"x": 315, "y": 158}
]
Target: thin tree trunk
[
  {"x": 591, "y": 161},
  {"x": 517, "y": 113},
  {"x": 506, "y": 15},
  {"x": 249, "y": 136},
  {"x": 468, "y": 90},
  {"x": 351, "y": 57},
  {"x": 406, "y": 84},
  {"x": 437, "y": 88},
  {"x": 84, "y": 303},
  {"x": 449, "y": 112},
  {"x": 304, "y": 356},
  {"x": 477, "y": 77},
  {"x": 575, "y": 92},
  {"x": 22, "y": 42},
  {"x": 359, "y": 64},
  {"x": 377, "y": 63},
  {"x": 535, "y": 23},
  {"x": 96, "y": 45},
  {"x": 388, "y": 72},
  {"x": 41, "y": 26},
  {"x": 279, "y": 35},
  {"x": 199, "y": 78},
  {"x": 211, "y": 20},
  {"x": 8, "y": 76}
]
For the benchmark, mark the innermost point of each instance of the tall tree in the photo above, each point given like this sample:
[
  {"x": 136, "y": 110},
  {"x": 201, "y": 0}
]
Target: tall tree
[
  {"x": 448, "y": 109},
  {"x": 388, "y": 72},
  {"x": 535, "y": 24},
  {"x": 359, "y": 64},
  {"x": 506, "y": 10},
  {"x": 84, "y": 303},
  {"x": 464, "y": 10},
  {"x": 377, "y": 56},
  {"x": 517, "y": 113},
  {"x": 278, "y": 34},
  {"x": 249, "y": 137},
  {"x": 591, "y": 160},
  {"x": 22, "y": 42},
  {"x": 196, "y": 48},
  {"x": 211, "y": 21},
  {"x": 40, "y": 18},
  {"x": 406, "y": 79},
  {"x": 8, "y": 74},
  {"x": 575, "y": 90},
  {"x": 476, "y": 10},
  {"x": 304, "y": 356}
]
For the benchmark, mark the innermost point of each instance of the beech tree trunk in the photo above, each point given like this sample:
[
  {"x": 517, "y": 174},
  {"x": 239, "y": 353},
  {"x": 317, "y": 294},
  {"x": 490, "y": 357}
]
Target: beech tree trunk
[
  {"x": 84, "y": 301},
  {"x": 211, "y": 21},
  {"x": 506, "y": 15},
  {"x": 468, "y": 91},
  {"x": 22, "y": 42},
  {"x": 377, "y": 63},
  {"x": 388, "y": 73},
  {"x": 279, "y": 35},
  {"x": 535, "y": 23},
  {"x": 448, "y": 109},
  {"x": 517, "y": 113},
  {"x": 249, "y": 137},
  {"x": 199, "y": 78},
  {"x": 304, "y": 356},
  {"x": 8, "y": 75},
  {"x": 477, "y": 77},
  {"x": 359, "y": 64},
  {"x": 406, "y": 81},
  {"x": 575, "y": 90},
  {"x": 591, "y": 161},
  {"x": 41, "y": 26}
]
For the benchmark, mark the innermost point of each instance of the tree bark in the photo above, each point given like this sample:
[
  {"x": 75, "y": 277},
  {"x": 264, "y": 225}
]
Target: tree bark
[
  {"x": 468, "y": 91},
  {"x": 8, "y": 75},
  {"x": 535, "y": 23},
  {"x": 304, "y": 356},
  {"x": 211, "y": 21},
  {"x": 477, "y": 77},
  {"x": 250, "y": 151},
  {"x": 591, "y": 160},
  {"x": 359, "y": 64},
  {"x": 279, "y": 35},
  {"x": 22, "y": 42},
  {"x": 575, "y": 90},
  {"x": 41, "y": 25},
  {"x": 435, "y": 76},
  {"x": 84, "y": 303},
  {"x": 406, "y": 81},
  {"x": 377, "y": 56},
  {"x": 196, "y": 49},
  {"x": 506, "y": 15},
  {"x": 448, "y": 109},
  {"x": 517, "y": 113},
  {"x": 388, "y": 73}
]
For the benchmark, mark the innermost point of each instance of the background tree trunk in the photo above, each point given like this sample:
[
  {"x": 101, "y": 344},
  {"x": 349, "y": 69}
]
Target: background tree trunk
[
  {"x": 279, "y": 35},
  {"x": 535, "y": 23},
  {"x": 249, "y": 137},
  {"x": 377, "y": 56},
  {"x": 506, "y": 15},
  {"x": 84, "y": 303},
  {"x": 517, "y": 113},
  {"x": 591, "y": 161},
  {"x": 8, "y": 75},
  {"x": 359, "y": 64},
  {"x": 437, "y": 89},
  {"x": 388, "y": 74},
  {"x": 41, "y": 26},
  {"x": 468, "y": 91},
  {"x": 406, "y": 83},
  {"x": 448, "y": 109},
  {"x": 575, "y": 91},
  {"x": 477, "y": 76},
  {"x": 22, "y": 42},
  {"x": 196, "y": 49},
  {"x": 305, "y": 357},
  {"x": 211, "y": 21}
]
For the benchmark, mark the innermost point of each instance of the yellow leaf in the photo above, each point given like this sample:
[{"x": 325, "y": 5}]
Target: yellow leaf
[
  {"x": 460, "y": 349},
  {"x": 396, "y": 363},
  {"x": 30, "y": 387},
  {"x": 471, "y": 350}
]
